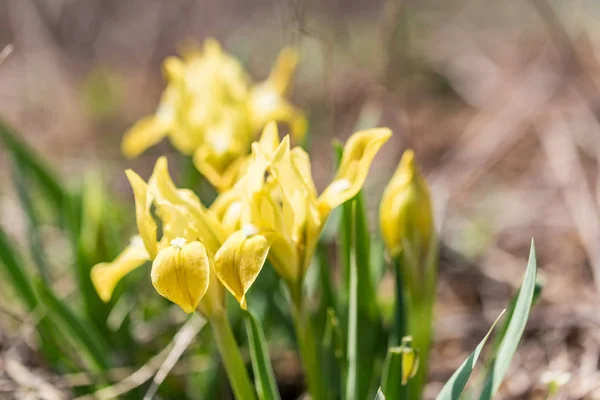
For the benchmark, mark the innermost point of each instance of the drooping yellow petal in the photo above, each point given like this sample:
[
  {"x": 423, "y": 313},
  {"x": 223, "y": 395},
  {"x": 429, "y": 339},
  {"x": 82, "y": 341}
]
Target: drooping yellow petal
[
  {"x": 358, "y": 154},
  {"x": 106, "y": 276},
  {"x": 239, "y": 261},
  {"x": 145, "y": 222},
  {"x": 181, "y": 273},
  {"x": 147, "y": 132}
]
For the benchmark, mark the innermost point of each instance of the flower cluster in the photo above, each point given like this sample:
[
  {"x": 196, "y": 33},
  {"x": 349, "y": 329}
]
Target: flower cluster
[
  {"x": 273, "y": 211},
  {"x": 211, "y": 110}
]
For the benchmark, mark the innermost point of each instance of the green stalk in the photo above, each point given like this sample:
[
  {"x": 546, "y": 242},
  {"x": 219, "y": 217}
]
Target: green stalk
[
  {"x": 352, "y": 350},
  {"x": 308, "y": 348},
  {"x": 232, "y": 359},
  {"x": 400, "y": 310},
  {"x": 421, "y": 331}
]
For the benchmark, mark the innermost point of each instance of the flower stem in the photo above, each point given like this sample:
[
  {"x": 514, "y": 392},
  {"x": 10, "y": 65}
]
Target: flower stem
[
  {"x": 309, "y": 352},
  {"x": 400, "y": 322},
  {"x": 232, "y": 359}
]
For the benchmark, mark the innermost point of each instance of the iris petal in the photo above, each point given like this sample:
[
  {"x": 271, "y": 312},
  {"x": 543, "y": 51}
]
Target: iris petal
[
  {"x": 357, "y": 157},
  {"x": 143, "y": 201},
  {"x": 239, "y": 261},
  {"x": 181, "y": 273},
  {"x": 106, "y": 276}
]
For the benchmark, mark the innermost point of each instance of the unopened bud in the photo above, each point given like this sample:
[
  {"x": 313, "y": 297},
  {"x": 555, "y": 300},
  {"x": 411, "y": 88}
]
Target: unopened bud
[{"x": 406, "y": 215}]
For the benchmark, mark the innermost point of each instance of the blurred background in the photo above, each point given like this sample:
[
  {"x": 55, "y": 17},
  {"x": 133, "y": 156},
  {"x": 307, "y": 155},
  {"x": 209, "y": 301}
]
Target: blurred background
[{"x": 500, "y": 100}]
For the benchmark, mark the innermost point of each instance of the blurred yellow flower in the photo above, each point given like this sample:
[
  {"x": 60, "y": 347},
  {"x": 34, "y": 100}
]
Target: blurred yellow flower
[
  {"x": 193, "y": 240},
  {"x": 280, "y": 203},
  {"x": 211, "y": 110},
  {"x": 405, "y": 212}
]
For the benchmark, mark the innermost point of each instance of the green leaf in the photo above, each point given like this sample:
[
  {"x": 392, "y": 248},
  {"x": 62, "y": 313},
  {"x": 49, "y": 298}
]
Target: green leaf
[
  {"x": 333, "y": 338},
  {"x": 21, "y": 282},
  {"x": 366, "y": 301},
  {"x": 499, "y": 336},
  {"x": 457, "y": 382},
  {"x": 89, "y": 207},
  {"x": 264, "y": 378},
  {"x": 333, "y": 346},
  {"x": 16, "y": 271},
  {"x": 366, "y": 339},
  {"x": 28, "y": 158},
  {"x": 352, "y": 377},
  {"x": 79, "y": 329},
  {"x": 514, "y": 330},
  {"x": 36, "y": 246},
  {"x": 328, "y": 296}
]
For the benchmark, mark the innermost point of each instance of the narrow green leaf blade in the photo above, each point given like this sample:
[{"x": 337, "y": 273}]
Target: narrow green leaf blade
[
  {"x": 352, "y": 377},
  {"x": 514, "y": 330},
  {"x": 90, "y": 341},
  {"x": 49, "y": 182},
  {"x": 457, "y": 382},
  {"x": 366, "y": 301},
  {"x": 36, "y": 247},
  {"x": 266, "y": 385},
  {"x": 501, "y": 332},
  {"x": 16, "y": 271}
]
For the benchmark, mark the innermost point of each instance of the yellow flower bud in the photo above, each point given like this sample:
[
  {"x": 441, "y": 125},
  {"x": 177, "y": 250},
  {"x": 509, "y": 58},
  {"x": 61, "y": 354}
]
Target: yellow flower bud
[
  {"x": 181, "y": 273},
  {"x": 406, "y": 216},
  {"x": 410, "y": 360}
]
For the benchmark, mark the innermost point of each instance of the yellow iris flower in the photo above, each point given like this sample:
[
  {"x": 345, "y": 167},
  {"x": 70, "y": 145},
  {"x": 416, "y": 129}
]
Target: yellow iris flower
[
  {"x": 280, "y": 209},
  {"x": 183, "y": 258},
  {"x": 211, "y": 110},
  {"x": 405, "y": 212}
]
